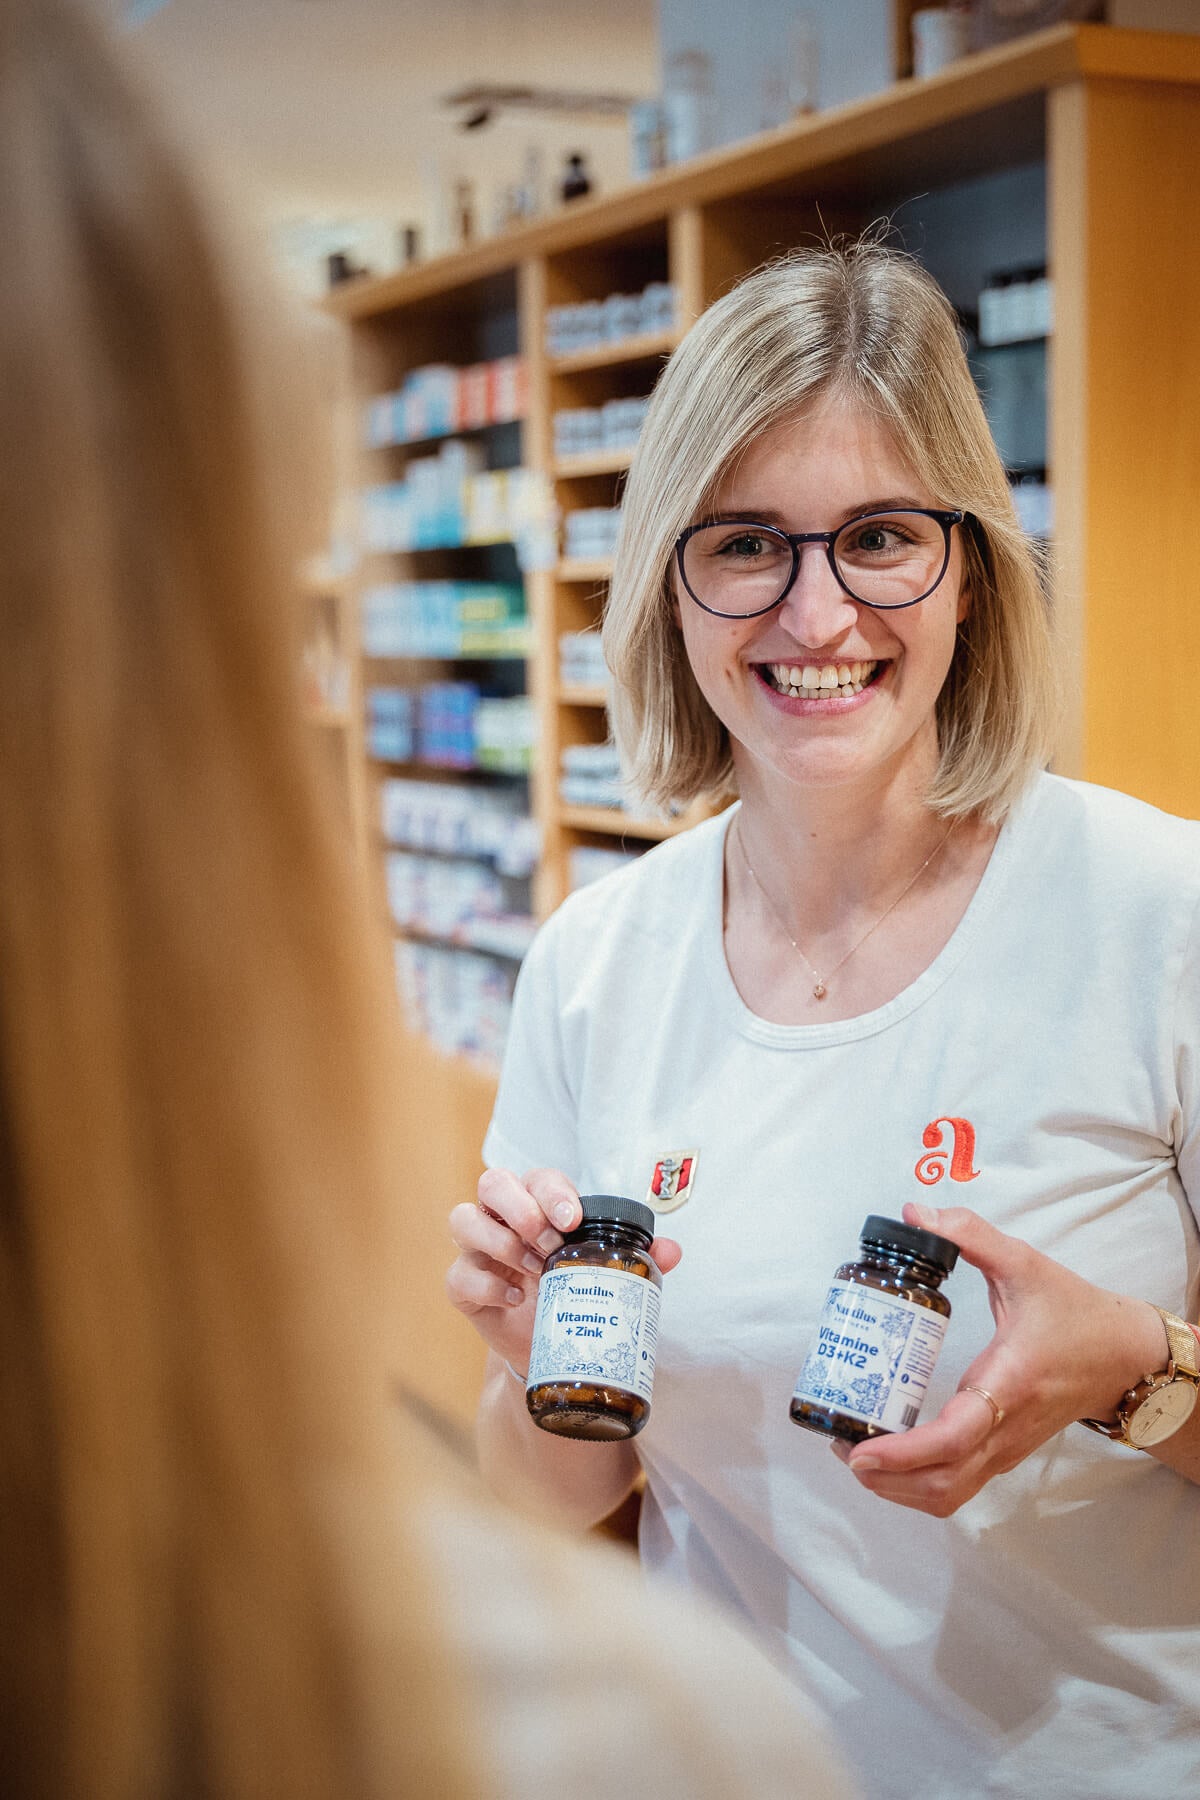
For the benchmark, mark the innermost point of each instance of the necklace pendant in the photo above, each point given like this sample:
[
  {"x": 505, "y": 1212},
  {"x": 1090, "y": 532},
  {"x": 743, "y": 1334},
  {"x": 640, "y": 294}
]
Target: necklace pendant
[{"x": 819, "y": 991}]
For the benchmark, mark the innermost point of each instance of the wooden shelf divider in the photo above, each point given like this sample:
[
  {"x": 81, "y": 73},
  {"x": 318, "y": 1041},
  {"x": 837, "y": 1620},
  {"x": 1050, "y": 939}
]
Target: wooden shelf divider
[
  {"x": 645, "y": 347},
  {"x": 615, "y": 823},
  {"x": 593, "y": 462},
  {"x": 577, "y": 568},
  {"x": 578, "y": 693}
]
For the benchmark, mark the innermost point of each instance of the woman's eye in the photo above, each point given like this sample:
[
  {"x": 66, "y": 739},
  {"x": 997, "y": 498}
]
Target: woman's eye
[
  {"x": 875, "y": 540},
  {"x": 746, "y": 544}
]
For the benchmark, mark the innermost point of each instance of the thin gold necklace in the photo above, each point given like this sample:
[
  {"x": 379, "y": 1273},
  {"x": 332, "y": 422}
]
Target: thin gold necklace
[{"x": 821, "y": 984}]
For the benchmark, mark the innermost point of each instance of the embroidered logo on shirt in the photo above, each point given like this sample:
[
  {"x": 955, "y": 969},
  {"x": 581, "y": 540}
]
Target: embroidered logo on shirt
[
  {"x": 673, "y": 1180},
  {"x": 931, "y": 1168}
]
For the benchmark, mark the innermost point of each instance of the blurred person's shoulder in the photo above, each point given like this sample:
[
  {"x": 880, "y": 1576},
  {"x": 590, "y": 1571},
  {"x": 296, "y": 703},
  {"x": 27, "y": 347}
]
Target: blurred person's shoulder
[{"x": 585, "y": 1681}]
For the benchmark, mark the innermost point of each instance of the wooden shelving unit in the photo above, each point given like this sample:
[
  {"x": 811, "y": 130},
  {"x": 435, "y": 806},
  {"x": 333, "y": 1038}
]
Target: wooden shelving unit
[
  {"x": 608, "y": 822},
  {"x": 1104, "y": 125},
  {"x": 651, "y": 346},
  {"x": 595, "y": 462},
  {"x": 584, "y": 569},
  {"x": 578, "y": 693}
]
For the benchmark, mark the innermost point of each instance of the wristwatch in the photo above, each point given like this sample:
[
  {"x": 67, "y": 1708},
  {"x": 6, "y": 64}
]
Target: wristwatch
[{"x": 1158, "y": 1405}]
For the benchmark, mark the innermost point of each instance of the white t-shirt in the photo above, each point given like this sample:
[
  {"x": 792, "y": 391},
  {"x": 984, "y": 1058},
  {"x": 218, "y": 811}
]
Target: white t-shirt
[{"x": 1045, "y": 1641}]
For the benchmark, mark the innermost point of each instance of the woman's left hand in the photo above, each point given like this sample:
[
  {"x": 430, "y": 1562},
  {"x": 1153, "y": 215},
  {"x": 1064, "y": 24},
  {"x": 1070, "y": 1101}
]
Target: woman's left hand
[{"x": 1063, "y": 1350}]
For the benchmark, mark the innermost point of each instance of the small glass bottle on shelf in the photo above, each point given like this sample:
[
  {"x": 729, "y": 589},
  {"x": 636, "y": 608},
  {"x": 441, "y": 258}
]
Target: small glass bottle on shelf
[
  {"x": 464, "y": 211},
  {"x": 575, "y": 181},
  {"x": 687, "y": 105}
]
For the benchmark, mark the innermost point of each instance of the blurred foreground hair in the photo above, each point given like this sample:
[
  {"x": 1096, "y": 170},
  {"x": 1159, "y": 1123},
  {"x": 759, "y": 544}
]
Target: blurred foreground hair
[{"x": 205, "y": 1586}]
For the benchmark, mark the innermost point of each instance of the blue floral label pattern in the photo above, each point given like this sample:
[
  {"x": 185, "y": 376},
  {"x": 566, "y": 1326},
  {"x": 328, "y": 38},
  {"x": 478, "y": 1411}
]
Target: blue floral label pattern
[
  {"x": 595, "y": 1324},
  {"x": 873, "y": 1356}
]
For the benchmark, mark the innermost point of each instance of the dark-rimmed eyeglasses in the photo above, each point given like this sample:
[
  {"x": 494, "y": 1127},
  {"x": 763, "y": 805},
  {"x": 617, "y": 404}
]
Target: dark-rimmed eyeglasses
[{"x": 739, "y": 568}]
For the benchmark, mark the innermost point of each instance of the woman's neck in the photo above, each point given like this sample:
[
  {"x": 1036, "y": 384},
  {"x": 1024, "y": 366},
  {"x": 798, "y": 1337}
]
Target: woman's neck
[
  {"x": 837, "y": 899},
  {"x": 824, "y": 852}
]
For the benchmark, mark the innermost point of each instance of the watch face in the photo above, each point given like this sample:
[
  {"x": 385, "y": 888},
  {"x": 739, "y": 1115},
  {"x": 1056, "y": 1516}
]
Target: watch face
[{"x": 1161, "y": 1414}]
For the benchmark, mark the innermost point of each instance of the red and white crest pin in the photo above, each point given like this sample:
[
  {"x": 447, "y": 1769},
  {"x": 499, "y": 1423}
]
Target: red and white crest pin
[{"x": 673, "y": 1179}]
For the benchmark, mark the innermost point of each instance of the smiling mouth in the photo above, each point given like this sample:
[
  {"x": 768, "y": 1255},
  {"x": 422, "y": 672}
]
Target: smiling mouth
[{"x": 819, "y": 681}]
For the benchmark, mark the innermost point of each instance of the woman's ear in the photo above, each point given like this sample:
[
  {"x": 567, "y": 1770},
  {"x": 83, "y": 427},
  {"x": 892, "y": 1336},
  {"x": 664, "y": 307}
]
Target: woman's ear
[{"x": 968, "y": 566}]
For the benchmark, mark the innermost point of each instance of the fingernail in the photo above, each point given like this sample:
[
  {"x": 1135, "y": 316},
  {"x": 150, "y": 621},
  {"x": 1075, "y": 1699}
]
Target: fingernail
[
  {"x": 925, "y": 1214},
  {"x": 548, "y": 1241},
  {"x": 865, "y": 1465},
  {"x": 531, "y": 1262},
  {"x": 515, "y": 1296},
  {"x": 563, "y": 1214}
]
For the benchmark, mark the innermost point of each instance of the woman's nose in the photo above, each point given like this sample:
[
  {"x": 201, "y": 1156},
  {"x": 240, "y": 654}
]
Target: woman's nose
[{"x": 817, "y": 608}]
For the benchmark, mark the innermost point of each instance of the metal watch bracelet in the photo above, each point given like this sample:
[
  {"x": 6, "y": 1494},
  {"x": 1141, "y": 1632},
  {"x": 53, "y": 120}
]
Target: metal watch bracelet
[{"x": 1183, "y": 1360}]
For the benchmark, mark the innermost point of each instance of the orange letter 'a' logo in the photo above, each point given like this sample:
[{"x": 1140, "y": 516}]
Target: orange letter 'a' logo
[{"x": 962, "y": 1158}]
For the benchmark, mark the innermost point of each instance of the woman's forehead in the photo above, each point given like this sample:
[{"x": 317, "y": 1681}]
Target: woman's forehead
[{"x": 834, "y": 442}]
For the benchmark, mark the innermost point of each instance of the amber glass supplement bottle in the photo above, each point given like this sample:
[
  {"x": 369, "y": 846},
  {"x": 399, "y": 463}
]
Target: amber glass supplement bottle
[
  {"x": 879, "y": 1335},
  {"x": 596, "y": 1328}
]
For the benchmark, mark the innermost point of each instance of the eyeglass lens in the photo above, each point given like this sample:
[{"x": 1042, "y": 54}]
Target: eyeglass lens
[{"x": 888, "y": 559}]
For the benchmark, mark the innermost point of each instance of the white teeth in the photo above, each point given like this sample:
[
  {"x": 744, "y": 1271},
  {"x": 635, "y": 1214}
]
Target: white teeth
[{"x": 826, "y": 678}]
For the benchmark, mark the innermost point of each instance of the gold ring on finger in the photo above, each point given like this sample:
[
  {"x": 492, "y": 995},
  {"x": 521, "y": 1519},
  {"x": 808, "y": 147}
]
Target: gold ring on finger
[{"x": 997, "y": 1410}]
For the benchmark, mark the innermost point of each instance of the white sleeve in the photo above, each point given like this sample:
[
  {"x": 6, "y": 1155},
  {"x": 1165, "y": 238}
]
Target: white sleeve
[
  {"x": 534, "y": 1124},
  {"x": 1187, "y": 1068}
]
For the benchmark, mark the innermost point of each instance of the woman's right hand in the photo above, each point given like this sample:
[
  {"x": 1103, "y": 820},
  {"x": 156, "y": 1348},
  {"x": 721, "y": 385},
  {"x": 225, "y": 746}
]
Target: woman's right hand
[{"x": 503, "y": 1242}]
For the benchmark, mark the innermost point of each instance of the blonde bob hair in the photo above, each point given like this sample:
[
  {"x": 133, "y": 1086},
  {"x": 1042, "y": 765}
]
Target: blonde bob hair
[{"x": 867, "y": 323}]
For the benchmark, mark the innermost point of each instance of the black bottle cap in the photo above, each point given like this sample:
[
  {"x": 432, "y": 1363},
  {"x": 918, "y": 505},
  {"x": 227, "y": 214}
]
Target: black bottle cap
[
  {"x": 894, "y": 1234},
  {"x": 614, "y": 1209}
]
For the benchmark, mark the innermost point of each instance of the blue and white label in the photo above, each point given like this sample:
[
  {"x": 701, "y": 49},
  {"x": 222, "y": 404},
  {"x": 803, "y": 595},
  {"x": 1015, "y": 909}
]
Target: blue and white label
[
  {"x": 873, "y": 1356},
  {"x": 595, "y": 1324}
]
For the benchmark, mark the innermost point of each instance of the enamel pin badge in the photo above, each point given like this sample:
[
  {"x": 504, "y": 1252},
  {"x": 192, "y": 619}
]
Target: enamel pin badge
[{"x": 672, "y": 1182}]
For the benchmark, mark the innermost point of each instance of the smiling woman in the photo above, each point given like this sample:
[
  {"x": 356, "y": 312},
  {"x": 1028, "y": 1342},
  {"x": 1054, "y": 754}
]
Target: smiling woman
[
  {"x": 880, "y": 590},
  {"x": 819, "y": 336},
  {"x": 823, "y": 603}
]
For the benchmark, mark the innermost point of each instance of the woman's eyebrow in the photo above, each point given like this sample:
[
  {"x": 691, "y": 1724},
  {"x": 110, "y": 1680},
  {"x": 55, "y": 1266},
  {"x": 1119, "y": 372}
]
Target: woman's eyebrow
[
  {"x": 768, "y": 515},
  {"x": 758, "y": 515}
]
